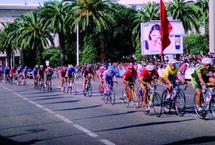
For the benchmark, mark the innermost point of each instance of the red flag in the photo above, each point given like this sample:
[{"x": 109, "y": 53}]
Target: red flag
[{"x": 166, "y": 27}]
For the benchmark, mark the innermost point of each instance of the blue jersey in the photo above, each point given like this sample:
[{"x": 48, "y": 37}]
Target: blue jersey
[
  {"x": 109, "y": 76},
  {"x": 71, "y": 72}
]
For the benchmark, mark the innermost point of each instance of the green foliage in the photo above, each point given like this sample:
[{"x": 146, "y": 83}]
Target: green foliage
[
  {"x": 138, "y": 54},
  {"x": 196, "y": 44},
  {"x": 53, "y": 55},
  {"x": 89, "y": 53}
]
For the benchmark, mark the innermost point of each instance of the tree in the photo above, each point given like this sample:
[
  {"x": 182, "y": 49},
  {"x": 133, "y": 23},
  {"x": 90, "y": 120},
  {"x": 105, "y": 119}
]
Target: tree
[
  {"x": 34, "y": 34},
  {"x": 55, "y": 13},
  {"x": 185, "y": 11},
  {"x": 91, "y": 16},
  {"x": 7, "y": 43},
  {"x": 150, "y": 11}
]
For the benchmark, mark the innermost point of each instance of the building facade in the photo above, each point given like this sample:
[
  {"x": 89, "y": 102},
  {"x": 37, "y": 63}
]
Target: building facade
[{"x": 8, "y": 13}]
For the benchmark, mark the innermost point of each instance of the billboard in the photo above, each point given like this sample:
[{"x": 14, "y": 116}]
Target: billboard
[{"x": 151, "y": 38}]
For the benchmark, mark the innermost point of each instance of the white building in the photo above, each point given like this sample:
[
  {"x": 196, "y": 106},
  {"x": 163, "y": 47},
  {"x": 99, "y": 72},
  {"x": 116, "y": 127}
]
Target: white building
[{"x": 8, "y": 13}]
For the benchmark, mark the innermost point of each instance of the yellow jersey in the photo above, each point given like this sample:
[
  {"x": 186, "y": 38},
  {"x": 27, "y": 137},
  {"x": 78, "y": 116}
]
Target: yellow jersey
[{"x": 170, "y": 73}]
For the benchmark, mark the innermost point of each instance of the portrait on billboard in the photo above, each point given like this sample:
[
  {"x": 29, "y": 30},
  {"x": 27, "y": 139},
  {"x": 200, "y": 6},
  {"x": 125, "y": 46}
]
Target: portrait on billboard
[{"x": 151, "y": 38}]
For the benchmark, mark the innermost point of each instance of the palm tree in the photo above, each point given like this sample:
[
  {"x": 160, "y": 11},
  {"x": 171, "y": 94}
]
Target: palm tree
[
  {"x": 149, "y": 11},
  {"x": 185, "y": 11},
  {"x": 55, "y": 14},
  {"x": 90, "y": 15},
  {"x": 7, "y": 41},
  {"x": 34, "y": 34}
]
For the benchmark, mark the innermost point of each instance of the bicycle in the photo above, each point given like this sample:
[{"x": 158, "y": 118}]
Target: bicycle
[
  {"x": 101, "y": 88},
  {"x": 207, "y": 102},
  {"x": 88, "y": 88},
  {"x": 130, "y": 95},
  {"x": 109, "y": 94},
  {"x": 154, "y": 98},
  {"x": 49, "y": 83},
  {"x": 176, "y": 100},
  {"x": 71, "y": 86}
]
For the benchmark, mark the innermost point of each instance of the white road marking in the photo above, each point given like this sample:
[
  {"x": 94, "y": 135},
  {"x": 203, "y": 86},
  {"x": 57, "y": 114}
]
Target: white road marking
[
  {"x": 63, "y": 118},
  {"x": 88, "y": 132},
  {"x": 107, "y": 142}
]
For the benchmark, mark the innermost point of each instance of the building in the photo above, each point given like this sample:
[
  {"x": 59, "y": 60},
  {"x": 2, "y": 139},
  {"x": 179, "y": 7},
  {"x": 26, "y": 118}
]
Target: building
[{"x": 8, "y": 13}]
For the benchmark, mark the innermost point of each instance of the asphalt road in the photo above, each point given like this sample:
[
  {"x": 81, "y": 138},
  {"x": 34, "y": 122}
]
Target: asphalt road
[{"x": 30, "y": 116}]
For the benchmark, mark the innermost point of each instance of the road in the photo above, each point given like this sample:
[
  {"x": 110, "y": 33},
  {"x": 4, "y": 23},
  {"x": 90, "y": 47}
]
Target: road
[{"x": 30, "y": 116}]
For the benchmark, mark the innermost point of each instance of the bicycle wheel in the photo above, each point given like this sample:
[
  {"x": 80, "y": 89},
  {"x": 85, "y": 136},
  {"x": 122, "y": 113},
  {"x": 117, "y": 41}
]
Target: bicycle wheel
[
  {"x": 201, "y": 114},
  {"x": 112, "y": 97},
  {"x": 134, "y": 98},
  {"x": 180, "y": 103},
  {"x": 166, "y": 103},
  {"x": 89, "y": 92},
  {"x": 212, "y": 105},
  {"x": 157, "y": 104},
  {"x": 124, "y": 96},
  {"x": 101, "y": 89}
]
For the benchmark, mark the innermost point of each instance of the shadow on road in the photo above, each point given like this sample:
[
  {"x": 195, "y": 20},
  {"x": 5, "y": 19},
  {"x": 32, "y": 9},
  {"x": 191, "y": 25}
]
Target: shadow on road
[
  {"x": 60, "y": 102},
  {"x": 196, "y": 140},
  {"x": 49, "y": 98},
  {"x": 144, "y": 124},
  {"x": 108, "y": 115},
  {"x": 29, "y": 131},
  {"x": 78, "y": 108},
  {"x": 7, "y": 141}
]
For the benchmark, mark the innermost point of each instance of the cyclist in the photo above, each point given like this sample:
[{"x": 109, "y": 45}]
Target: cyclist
[
  {"x": 70, "y": 74},
  {"x": 25, "y": 72},
  {"x": 171, "y": 75},
  {"x": 35, "y": 75},
  {"x": 147, "y": 77},
  {"x": 200, "y": 78},
  {"x": 100, "y": 72},
  {"x": 41, "y": 75},
  {"x": 87, "y": 73},
  {"x": 63, "y": 71},
  {"x": 49, "y": 73},
  {"x": 129, "y": 77},
  {"x": 109, "y": 76}
]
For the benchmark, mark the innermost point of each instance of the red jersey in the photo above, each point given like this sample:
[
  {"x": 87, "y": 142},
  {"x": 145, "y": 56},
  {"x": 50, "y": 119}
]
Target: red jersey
[
  {"x": 148, "y": 77},
  {"x": 130, "y": 75}
]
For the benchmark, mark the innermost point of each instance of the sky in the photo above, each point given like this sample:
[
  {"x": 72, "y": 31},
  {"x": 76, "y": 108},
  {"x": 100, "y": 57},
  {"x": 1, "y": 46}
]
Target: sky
[{"x": 21, "y": 1}]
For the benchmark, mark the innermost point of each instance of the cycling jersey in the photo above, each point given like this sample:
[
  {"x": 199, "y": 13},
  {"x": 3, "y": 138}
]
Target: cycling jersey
[
  {"x": 147, "y": 77},
  {"x": 63, "y": 72},
  {"x": 170, "y": 73},
  {"x": 35, "y": 72},
  {"x": 130, "y": 75},
  {"x": 200, "y": 69},
  {"x": 108, "y": 76},
  {"x": 71, "y": 72}
]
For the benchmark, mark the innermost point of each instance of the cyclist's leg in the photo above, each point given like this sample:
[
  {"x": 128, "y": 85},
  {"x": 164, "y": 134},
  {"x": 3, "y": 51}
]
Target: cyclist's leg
[
  {"x": 144, "y": 90},
  {"x": 198, "y": 92}
]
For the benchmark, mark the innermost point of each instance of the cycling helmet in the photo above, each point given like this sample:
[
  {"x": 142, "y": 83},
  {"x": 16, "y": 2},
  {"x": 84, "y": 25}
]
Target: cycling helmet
[
  {"x": 41, "y": 66},
  {"x": 111, "y": 68},
  {"x": 207, "y": 60},
  {"x": 172, "y": 61},
  {"x": 150, "y": 67},
  {"x": 130, "y": 66}
]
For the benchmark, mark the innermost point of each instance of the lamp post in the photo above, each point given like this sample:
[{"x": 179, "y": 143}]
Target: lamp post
[{"x": 77, "y": 46}]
